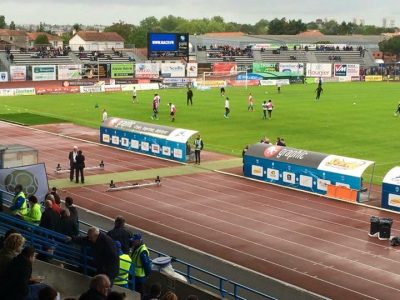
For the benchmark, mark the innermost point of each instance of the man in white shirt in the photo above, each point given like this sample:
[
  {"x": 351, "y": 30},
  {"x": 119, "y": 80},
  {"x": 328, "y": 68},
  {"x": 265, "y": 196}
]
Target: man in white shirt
[
  {"x": 72, "y": 162},
  {"x": 134, "y": 95},
  {"x": 227, "y": 108},
  {"x": 105, "y": 115}
]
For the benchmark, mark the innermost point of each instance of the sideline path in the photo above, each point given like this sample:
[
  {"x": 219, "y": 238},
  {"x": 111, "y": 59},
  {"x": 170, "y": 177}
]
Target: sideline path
[{"x": 150, "y": 173}]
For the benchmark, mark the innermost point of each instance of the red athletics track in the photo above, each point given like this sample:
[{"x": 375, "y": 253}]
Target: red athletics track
[
  {"x": 318, "y": 244},
  {"x": 309, "y": 241},
  {"x": 54, "y": 149}
]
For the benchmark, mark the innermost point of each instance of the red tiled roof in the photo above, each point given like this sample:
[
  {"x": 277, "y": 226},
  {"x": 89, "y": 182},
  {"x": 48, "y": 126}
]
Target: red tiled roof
[
  {"x": 224, "y": 34},
  {"x": 9, "y": 32},
  {"x": 32, "y": 36},
  {"x": 100, "y": 36}
]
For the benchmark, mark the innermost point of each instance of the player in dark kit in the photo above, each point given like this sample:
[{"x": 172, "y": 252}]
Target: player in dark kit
[
  {"x": 318, "y": 91},
  {"x": 189, "y": 97}
]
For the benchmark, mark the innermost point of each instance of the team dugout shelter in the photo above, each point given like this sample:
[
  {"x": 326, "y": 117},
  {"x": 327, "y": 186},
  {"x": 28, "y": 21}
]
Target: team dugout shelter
[
  {"x": 155, "y": 140},
  {"x": 391, "y": 189},
  {"x": 331, "y": 175}
]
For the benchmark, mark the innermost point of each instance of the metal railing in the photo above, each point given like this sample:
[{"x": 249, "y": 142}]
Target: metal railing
[{"x": 43, "y": 239}]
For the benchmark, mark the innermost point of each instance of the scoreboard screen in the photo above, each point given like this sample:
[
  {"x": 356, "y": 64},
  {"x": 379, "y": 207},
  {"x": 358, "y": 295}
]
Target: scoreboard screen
[{"x": 167, "y": 45}]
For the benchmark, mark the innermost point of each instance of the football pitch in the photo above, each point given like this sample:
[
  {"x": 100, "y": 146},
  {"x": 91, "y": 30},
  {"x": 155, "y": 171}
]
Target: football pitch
[{"x": 350, "y": 119}]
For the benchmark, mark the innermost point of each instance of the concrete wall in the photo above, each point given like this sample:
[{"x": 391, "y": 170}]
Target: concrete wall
[{"x": 68, "y": 283}]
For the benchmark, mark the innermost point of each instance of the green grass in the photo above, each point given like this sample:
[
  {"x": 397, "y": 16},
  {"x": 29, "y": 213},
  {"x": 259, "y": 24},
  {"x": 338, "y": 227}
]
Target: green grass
[
  {"x": 335, "y": 125},
  {"x": 29, "y": 119}
]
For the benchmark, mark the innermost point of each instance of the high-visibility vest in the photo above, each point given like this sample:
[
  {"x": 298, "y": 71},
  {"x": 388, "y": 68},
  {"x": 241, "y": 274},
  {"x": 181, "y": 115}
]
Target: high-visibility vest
[
  {"x": 124, "y": 266},
  {"x": 139, "y": 268},
  {"x": 23, "y": 210},
  {"x": 34, "y": 215}
]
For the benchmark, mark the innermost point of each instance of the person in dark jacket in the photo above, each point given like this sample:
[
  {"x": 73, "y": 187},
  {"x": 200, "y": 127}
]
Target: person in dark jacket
[
  {"x": 49, "y": 218},
  {"x": 69, "y": 203},
  {"x": 104, "y": 251},
  {"x": 20, "y": 285},
  {"x": 189, "y": 97},
  {"x": 99, "y": 288},
  {"x": 67, "y": 225},
  {"x": 72, "y": 162},
  {"x": 80, "y": 165},
  {"x": 121, "y": 234}
]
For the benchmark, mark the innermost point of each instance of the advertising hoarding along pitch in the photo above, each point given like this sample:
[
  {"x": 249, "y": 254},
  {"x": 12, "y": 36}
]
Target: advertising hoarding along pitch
[
  {"x": 18, "y": 73},
  {"x": 122, "y": 71},
  {"x": 41, "y": 73},
  {"x": 69, "y": 72},
  {"x": 319, "y": 70}
]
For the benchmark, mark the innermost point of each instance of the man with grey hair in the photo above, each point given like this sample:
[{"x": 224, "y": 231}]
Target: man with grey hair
[
  {"x": 99, "y": 288},
  {"x": 72, "y": 162},
  {"x": 105, "y": 253}
]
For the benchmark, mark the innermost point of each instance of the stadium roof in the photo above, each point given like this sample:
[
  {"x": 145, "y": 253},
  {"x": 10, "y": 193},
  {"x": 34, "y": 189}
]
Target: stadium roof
[{"x": 95, "y": 36}]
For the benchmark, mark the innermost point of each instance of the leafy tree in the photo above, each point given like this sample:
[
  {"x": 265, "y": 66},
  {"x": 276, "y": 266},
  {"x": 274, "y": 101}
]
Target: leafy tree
[
  {"x": 40, "y": 28},
  {"x": 391, "y": 46},
  {"x": 170, "y": 23},
  {"x": 150, "y": 24},
  {"x": 12, "y": 25},
  {"x": 312, "y": 26},
  {"x": 77, "y": 27},
  {"x": 3, "y": 23},
  {"x": 66, "y": 36},
  {"x": 41, "y": 40},
  {"x": 330, "y": 27},
  {"x": 277, "y": 26},
  {"x": 123, "y": 29},
  {"x": 261, "y": 27}
]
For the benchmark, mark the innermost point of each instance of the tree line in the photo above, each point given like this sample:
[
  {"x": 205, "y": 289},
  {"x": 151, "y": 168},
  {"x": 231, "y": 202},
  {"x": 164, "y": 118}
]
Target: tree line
[{"x": 137, "y": 34}]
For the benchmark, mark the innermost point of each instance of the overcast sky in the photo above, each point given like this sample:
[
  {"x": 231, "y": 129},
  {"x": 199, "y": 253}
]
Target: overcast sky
[{"x": 106, "y": 12}]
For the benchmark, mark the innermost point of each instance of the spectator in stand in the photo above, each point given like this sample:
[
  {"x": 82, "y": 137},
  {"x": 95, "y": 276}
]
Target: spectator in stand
[
  {"x": 50, "y": 217},
  {"x": 125, "y": 267},
  {"x": 69, "y": 204},
  {"x": 142, "y": 262},
  {"x": 155, "y": 292},
  {"x": 19, "y": 206},
  {"x": 34, "y": 213},
  {"x": 13, "y": 246},
  {"x": 105, "y": 253},
  {"x": 99, "y": 288},
  {"x": 20, "y": 284},
  {"x": 121, "y": 233},
  {"x": 57, "y": 198},
  {"x": 169, "y": 296},
  {"x": 67, "y": 225},
  {"x": 54, "y": 205},
  {"x": 48, "y": 293},
  {"x": 3, "y": 238}
]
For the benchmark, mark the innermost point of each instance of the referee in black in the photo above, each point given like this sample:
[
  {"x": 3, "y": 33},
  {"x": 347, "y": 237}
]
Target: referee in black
[{"x": 189, "y": 97}]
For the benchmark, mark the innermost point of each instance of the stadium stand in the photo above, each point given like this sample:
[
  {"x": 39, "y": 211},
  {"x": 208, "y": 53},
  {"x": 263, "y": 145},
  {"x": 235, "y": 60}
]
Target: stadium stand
[
  {"x": 107, "y": 56},
  {"x": 284, "y": 56},
  {"x": 352, "y": 57},
  {"x": 29, "y": 58}
]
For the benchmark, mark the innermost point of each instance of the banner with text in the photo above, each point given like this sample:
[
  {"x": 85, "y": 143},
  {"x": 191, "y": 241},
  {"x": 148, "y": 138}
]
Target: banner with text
[
  {"x": 67, "y": 72},
  {"x": 319, "y": 70},
  {"x": 225, "y": 67},
  {"x": 122, "y": 70},
  {"x": 41, "y": 73},
  {"x": 265, "y": 67},
  {"x": 191, "y": 69},
  {"x": 18, "y": 73},
  {"x": 147, "y": 70},
  {"x": 172, "y": 70},
  {"x": 346, "y": 70},
  {"x": 292, "y": 67}
]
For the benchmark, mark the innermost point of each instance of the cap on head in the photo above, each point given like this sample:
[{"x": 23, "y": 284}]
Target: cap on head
[{"x": 136, "y": 237}]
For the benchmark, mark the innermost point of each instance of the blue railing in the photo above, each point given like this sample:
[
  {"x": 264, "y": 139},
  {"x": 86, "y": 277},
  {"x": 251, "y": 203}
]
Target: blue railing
[{"x": 41, "y": 238}]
